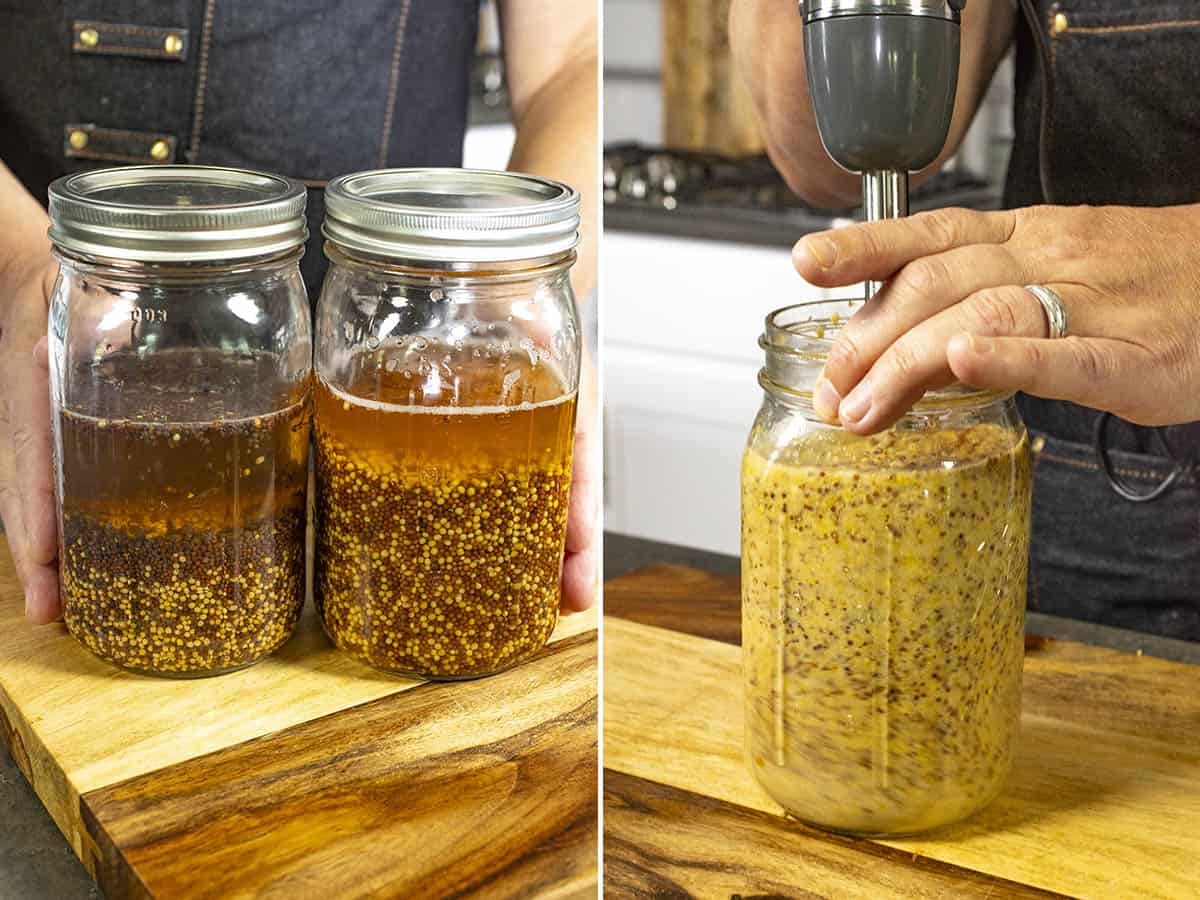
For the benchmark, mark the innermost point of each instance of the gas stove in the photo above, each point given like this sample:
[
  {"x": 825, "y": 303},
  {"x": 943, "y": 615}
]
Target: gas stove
[{"x": 706, "y": 195}]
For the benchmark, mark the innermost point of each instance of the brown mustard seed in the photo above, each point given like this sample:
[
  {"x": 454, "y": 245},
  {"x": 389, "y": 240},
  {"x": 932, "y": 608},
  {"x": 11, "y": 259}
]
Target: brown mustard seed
[
  {"x": 440, "y": 530},
  {"x": 173, "y": 561}
]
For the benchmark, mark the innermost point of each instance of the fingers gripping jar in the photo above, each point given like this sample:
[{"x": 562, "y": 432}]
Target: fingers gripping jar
[
  {"x": 883, "y": 596},
  {"x": 448, "y": 356},
  {"x": 180, "y": 360}
]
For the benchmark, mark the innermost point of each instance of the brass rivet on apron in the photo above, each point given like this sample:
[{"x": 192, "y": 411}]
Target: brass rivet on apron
[
  {"x": 78, "y": 139},
  {"x": 172, "y": 44},
  {"x": 1060, "y": 23},
  {"x": 160, "y": 150},
  {"x": 1039, "y": 444},
  {"x": 89, "y": 37}
]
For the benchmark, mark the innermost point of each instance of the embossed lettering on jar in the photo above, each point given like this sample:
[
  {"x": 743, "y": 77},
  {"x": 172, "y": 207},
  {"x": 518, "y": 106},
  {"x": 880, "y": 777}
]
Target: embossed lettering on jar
[
  {"x": 180, "y": 355},
  {"x": 448, "y": 364},
  {"x": 883, "y": 597}
]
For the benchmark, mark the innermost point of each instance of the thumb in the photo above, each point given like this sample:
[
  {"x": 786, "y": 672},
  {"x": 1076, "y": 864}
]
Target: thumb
[
  {"x": 1096, "y": 372},
  {"x": 33, "y": 459}
]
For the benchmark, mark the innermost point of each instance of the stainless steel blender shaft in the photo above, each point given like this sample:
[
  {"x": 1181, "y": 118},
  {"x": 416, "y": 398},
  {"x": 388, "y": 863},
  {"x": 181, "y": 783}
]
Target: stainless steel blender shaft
[
  {"x": 882, "y": 77},
  {"x": 885, "y": 196}
]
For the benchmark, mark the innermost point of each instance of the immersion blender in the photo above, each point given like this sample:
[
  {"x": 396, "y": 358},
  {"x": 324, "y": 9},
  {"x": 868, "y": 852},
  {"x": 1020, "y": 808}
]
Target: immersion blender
[{"x": 882, "y": 76}]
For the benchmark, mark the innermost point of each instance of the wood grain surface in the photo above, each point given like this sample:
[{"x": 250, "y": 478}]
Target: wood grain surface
[
  {"x": 679, "y": 598},
  {"x": 705, "y": 102},
  {"x": 78, "y": 726},
  {"x": 662, "y": 841},
  {"x": 1104, "y": 800},
  {"x": 392, "y": 798}
]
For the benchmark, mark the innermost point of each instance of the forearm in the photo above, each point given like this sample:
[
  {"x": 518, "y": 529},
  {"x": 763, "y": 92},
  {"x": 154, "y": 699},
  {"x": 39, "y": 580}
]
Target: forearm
[
  {"x": 767, "y": 40},
  {"x": 23, "y": 246},
  {"x": 557, "y": 137}
]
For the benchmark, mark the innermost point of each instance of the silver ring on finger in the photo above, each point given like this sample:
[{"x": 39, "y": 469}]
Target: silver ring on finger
[{"x": 1056, "y": 312}]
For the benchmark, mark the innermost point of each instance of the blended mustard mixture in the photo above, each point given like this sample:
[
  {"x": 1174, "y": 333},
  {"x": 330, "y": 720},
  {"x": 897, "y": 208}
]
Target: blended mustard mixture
[{"x": 883, "y": 608}]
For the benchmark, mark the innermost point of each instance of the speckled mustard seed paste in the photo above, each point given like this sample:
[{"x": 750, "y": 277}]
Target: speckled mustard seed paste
[
  {"x": 883, "y": 612},
  {"x": 440, "y": 527},
  {"x": 183, "y": 543}
]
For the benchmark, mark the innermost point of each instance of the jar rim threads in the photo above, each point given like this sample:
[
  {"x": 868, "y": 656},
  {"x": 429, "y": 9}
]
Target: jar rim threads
[{"x": 796, "y": 341}]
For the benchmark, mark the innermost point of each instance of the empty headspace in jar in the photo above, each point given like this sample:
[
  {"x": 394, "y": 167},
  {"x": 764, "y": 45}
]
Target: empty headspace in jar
[
  {"x": 797, "y": 341},
  {"x": 185, "y": 386}
]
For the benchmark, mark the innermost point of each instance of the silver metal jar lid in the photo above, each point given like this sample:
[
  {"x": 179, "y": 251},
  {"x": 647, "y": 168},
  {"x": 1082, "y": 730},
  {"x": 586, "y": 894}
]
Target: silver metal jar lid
[
  {"x": 177, "y": 214},
  {"x": 451, "y": 215}
]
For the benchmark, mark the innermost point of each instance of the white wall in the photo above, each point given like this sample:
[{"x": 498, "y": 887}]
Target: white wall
[
  {"x": 681, "y": 324},
  {"x": 633, "y": 71}
]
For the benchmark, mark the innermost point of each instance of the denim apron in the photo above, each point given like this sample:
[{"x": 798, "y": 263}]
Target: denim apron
[
  {"x": 306, "y": 88},
  {"x": 1125, "y": 130}
]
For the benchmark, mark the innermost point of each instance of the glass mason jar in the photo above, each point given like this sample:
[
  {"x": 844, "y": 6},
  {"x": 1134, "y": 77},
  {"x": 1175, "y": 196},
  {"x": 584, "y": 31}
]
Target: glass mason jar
[
  {"x": 883, "y": 597},
  {"x": 180, "y": 362},
  {"x": 448, "y": 354}
]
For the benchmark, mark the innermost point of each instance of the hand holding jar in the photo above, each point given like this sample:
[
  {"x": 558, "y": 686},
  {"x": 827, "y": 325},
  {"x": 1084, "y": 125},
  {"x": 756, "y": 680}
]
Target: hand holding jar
[
  {"x": 27, "y": 274},
  {"x": 955, "y": 307},
  {"x": 26, "y": 491}
]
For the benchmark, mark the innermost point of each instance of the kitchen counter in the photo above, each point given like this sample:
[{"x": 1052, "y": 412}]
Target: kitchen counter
[
  {"x": 1102, "y": 801},
  {"x": 36, "y": 863},
  {"x": 731, "y": 215},
  {"x": 764, "y": 229}
]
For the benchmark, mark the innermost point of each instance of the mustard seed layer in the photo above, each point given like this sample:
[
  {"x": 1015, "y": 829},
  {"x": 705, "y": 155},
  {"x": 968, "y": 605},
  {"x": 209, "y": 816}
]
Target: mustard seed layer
[
  {"x": 183, "y": 544},
  {"x": 184, "y": 602},
  {"x": 440, "y": 532},
  {"x": 883, "y": 609}
]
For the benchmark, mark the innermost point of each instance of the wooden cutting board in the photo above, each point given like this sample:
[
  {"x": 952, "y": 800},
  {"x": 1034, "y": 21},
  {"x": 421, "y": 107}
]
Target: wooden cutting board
[
  {"x": 309, "y": 774},
  {"x": 1104, "y": 800}
]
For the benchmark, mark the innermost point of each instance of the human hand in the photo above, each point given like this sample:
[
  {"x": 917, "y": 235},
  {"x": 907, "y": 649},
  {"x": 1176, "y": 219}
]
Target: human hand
[
  {"x": 954, "y": 306},
  {"x": 580, "y": 569},
  {"x": 26, "y": 485}
]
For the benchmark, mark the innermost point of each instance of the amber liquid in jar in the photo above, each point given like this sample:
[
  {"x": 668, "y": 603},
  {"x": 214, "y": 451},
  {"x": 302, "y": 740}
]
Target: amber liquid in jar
[
  {"x": 441, "y": 516},
  {"x": 182, "y": 541},
  {"x": 883, "y": 613}
]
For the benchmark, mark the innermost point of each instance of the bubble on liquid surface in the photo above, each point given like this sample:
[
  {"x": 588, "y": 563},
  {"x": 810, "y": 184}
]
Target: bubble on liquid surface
[{"x": 510, "y": 381}]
